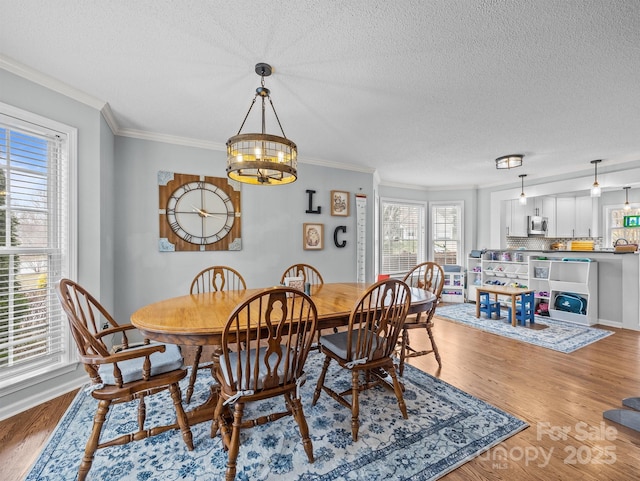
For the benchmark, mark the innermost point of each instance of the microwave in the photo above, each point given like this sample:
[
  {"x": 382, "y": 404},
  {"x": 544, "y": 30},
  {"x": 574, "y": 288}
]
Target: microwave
[{"x": 537, "y": 225}]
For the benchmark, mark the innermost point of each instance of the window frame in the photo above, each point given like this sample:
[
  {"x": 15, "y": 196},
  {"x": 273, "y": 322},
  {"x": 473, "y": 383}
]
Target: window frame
[
  {"x": 422, "y": 233},
  {"x": 15, "y": 118},
  {"x": 460, "y": 260}
]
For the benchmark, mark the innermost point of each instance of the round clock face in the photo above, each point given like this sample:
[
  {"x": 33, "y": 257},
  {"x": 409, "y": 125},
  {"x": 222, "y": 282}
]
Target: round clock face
[{"x": 200, "y": 213}]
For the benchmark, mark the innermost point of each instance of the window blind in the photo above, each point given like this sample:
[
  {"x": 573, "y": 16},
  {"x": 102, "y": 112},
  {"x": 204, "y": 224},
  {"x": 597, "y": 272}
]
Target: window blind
[
  {"x": 446, "y": 233},
  {"x": 33, "y": 246},
  {"x": 402, "y": 236}
]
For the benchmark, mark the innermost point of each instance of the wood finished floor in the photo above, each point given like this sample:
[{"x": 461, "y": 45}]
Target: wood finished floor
[{"x": 549, "y": 390}]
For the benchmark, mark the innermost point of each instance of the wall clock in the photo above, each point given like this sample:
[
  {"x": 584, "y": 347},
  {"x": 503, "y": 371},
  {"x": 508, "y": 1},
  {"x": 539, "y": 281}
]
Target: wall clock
[{"x": 198, "y": 213}]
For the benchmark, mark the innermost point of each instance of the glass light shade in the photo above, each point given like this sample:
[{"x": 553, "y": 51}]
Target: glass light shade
[
  {"x": 627, "y": 206},
  {"x": 262, "y": 159},
  {"x": 523, "y": 199},
  {"x": 509, "y": 161},
  {"x": 596, "y": 190}
]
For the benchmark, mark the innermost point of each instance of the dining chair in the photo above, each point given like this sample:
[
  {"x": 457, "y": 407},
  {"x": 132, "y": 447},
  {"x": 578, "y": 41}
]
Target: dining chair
[
  {"x": 122, "y": 375},
  {"x": 367, "y": 345},
  {"x": 309, "y": 274},
  {"x": 428, "y": 276},
  {"x": 264, "y": 347},
  {"x": 211, "y": 279}
]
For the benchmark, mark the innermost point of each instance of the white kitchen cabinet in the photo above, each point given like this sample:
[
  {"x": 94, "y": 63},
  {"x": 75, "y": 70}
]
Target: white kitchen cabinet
[
  {"x": 584, "y": 216},
  {"x": 565, "y": 216},
  {"x": 516, "y": 218},
  {"x": 545, "y": 206}
]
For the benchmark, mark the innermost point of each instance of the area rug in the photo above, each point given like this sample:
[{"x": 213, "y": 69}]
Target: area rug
[
  {"x": 550, "y": 333},
  {"x": 446, "y": 428}
]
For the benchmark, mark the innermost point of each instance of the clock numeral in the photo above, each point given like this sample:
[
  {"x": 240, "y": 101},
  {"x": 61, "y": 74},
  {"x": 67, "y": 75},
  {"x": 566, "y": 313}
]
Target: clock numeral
[
  {"x": 171, "y": 211},
  {"x": 200, "y": 185},
  {"x": 175, "y": 226},
  {"x": 187, "y": 237},
  {"x": 187, "y": 187}
]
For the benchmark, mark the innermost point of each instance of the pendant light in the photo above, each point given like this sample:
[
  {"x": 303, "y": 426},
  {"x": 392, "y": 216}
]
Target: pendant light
[
  {"x": 627, "y": 206},
  {"x": 523, "y": 198},
  {"x": 595, "y": 188},
  {"x": 262, "y": 159},
  {"x": 509, "y": 161}
]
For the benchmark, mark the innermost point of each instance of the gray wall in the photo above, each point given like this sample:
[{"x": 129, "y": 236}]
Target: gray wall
[
  {"x": 95, "y": 213},
  {"x": 272, "y": 218}
]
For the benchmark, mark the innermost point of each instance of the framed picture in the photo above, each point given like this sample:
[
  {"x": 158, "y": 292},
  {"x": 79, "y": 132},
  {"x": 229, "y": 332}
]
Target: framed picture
[
  {"x": 312, "y": 236},
  {"x": 340, "y": 203}
]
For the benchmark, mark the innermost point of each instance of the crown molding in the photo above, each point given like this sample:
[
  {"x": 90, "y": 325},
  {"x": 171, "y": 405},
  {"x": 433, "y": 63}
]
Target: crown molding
[
  {"x": 172, "y": 139},
  {"x": 17, "y": 68}
]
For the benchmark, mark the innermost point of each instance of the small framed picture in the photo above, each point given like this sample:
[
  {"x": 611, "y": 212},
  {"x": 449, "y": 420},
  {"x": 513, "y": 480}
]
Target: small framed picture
[
  {"x": 340, "y": 203},
  {"x": 312, "y": 236}
]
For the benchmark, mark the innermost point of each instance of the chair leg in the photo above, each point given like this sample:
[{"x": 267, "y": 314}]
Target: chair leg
[
  {"x": 320, "y": 383},
  {"x": 404, "y": 345},
  {"x": 181, "y": 417},
  {"x": 298, "y": 415},
  {"x": 194, "y": 374},
  {"x": 434, "y": 347},
  {"x": 234, "y": 445},
  {"x": 398, "y": 390},
  {"x": 355, "y": 404},
  {"x": 94, "y": 439}
]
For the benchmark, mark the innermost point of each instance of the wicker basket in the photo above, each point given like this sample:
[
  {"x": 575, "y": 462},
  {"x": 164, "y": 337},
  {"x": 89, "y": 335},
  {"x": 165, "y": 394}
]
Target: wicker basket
[{"x": 622, "y": 245}]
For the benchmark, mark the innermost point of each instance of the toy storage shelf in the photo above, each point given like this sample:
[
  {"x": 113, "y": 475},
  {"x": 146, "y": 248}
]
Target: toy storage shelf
[
  {"x": 474, "y": 277},
  {"x": 576, "y": 277},
  {"x": 453, "y": 290}
]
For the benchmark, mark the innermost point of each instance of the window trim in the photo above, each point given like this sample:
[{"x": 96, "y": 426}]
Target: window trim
[
  {"x": 31, "y": 121},
  {"x": 422, "y": 244},
  {"x": 431, "y": 242}
]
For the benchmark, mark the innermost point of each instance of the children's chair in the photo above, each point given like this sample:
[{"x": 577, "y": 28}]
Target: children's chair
[
  {"x": 524, "y": 309},
  {"x": 489, "y": 306}
]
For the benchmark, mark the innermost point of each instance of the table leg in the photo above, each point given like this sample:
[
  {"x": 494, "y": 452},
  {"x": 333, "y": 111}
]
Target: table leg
[
  {"x": 204, "y": 412},
  {"x": 514, "y": 321}
]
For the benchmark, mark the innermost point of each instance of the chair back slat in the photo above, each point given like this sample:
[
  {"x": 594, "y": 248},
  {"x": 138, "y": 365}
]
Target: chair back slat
[
  {"x": 308, "y": 273},
  {"x": 376, "y": 320},
  {"x": 266, "y": 341},
  {"x": 217, "y": 278},
  {"x": 428, "y": 276}
]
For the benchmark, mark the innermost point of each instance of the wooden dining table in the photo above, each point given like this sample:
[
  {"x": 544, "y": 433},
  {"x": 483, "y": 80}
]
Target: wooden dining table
[{"x": 199, "y": 319}]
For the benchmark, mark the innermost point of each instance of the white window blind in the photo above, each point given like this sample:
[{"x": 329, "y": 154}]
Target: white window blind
[
  {"x": 402, "y": 236},
  {"x": 34, "y": 253},
  {"x": 446, "y": 221}
]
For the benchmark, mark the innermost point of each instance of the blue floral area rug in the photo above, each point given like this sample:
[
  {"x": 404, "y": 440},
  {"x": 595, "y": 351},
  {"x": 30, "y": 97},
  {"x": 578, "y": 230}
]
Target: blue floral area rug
[
  {"x": 446, "y": 428},
  {"x": 553, "y": 334}
]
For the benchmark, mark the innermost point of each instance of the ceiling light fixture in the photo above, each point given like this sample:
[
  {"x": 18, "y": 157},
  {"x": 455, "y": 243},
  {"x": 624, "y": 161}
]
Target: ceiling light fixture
[
  {"x": 262, "y": 159},
  {"x": 595, "y": 188},
  {"x": 523, "y": 198},
  {"x": 509, "y": 161},
  {"x": 627, "y": 206}
]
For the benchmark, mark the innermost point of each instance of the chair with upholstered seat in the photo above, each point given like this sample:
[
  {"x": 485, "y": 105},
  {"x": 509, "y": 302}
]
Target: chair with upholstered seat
[
  {"x": 308, "y": 273},
  {"x": 211, "y": 279},
  {"x": 428, "y": 276},
  {"x": 118, "y": 377},
  {"x": 264, "y": 347},
  {"x": 367, "y": 346}
]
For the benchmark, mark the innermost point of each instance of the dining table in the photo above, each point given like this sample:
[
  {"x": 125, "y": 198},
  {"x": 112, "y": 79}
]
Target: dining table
[{"x": 199, "y": 319}]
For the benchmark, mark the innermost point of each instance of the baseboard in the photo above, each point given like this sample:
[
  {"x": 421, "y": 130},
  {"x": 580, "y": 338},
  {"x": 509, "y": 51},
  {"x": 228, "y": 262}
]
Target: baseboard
[{"x": 6, "y": 411}]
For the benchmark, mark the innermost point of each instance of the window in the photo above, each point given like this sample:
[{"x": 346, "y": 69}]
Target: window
[
  {"x": 615, "y": 226},
  {"x": 446, "y": 233},
  {"x": 35, "y": 238},
  {"x": 402, "y": 236}
]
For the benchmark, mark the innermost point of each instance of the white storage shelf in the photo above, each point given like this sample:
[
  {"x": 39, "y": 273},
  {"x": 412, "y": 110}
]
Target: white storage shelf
[
  {"x": 574, "y": 277},
  {"x": 453, "y": 290}
]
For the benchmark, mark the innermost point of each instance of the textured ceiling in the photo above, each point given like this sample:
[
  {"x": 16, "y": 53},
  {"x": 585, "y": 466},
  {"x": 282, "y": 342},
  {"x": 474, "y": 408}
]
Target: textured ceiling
[{"x": 424, "y": 92}]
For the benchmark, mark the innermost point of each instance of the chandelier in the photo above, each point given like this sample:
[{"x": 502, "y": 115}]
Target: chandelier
[{"x": 262, "y": 159}]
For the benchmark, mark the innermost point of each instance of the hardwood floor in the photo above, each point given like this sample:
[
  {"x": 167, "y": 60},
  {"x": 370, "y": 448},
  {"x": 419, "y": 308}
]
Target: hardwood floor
[{"x": 561, "y": 396}]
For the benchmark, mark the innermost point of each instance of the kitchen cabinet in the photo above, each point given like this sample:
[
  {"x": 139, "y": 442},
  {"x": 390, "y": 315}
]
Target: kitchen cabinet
[
  {"x": 565, "y": 216},
  {"x": 575, "y": 216},
  {"x": 516, "y": 218}
]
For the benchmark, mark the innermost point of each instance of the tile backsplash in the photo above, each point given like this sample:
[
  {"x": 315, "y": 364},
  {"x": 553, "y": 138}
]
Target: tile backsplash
[{"x": 544, "y": 243}]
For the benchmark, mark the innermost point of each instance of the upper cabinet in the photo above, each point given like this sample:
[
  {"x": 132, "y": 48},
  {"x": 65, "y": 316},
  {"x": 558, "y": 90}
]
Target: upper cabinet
[
  {"x": 516, "y": 218},
  {"x": 545, "y": 206},
  {"x": 575, "y": 216}
]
